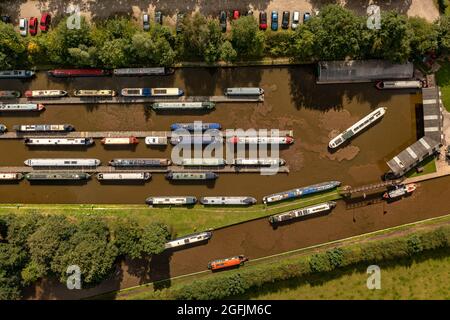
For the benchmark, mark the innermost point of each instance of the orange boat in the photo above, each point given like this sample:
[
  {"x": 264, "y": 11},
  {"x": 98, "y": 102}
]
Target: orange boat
[
  {"x": 227, "y": 263},
  {"x": 120, "y": 141}
]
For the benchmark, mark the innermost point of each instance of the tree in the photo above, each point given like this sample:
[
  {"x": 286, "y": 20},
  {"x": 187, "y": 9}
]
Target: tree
[
  {"x": 247, "y": 39},
  {"x": 227, "y": 52},
  {"x": 12, "y": 47},
  {"x": 114, "y": 53},
  {"x": 425, "y": 36},
  {"x": 303, "y": 44},
  {"x": 444, "y": 33},
  {"x": 154, "y": 238},
  {"x": 128, "y": 239}
]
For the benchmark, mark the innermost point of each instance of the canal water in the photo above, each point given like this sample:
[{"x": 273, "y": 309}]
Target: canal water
[{"x": 293, "y": 101}]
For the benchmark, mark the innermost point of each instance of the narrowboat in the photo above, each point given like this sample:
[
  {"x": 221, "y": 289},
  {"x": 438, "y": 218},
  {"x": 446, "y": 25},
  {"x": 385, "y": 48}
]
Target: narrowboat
[
  {"x": 171, "y": 200},
  {"x": 195, "y": 126},
  {"x": 49, "y": 176},
  {"x": 203, "y": 162},
  {"x": 259, "y": 162},
  {"x": 94, "y": 93},
  {"x": 45, "y": 93},
  {"x": 156, "y": 141},
  {"x": 400, "y": 191},
  {"x": 5, "y": 94},
  {"x": 120, "y": 141},
  {"x": 115, "y": 176},
  {"x": 195, "y": 139},
  {"x": 2, "y": 128},
  {"x": 59, "y": 141},
  {"x": 261, "y": 140},
  {"x": 69, "y": 73},
  {"x": 191, "y": 176},
  {"x": 4, "y": 176},
  {"x": 227, "y": 263},
  {"x": 400, "y": 84},
  {"x": 183, "y": 105},
  {"x": 189, "y": 240},
  {"x": 231, "y": 201},
  {"x": 157, "y": 71},
  {"x": 62, "y": 162},
  {"x": 142, "y": 162},
  {"x": 21, "y": 107},
  {"x": 152, "y": 92},
  {"x": 293, "y": 214},
  {"x": 16, "y": 74},
  {"x": 300, "y": 192},
  {"x": 44, "y": 128},
  {"x": 244, "y": 91}
]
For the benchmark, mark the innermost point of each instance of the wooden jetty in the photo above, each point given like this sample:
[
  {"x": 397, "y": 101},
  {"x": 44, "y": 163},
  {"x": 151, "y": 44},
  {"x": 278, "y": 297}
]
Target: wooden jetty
[
  {"x": 368, "y": 190},
  {"x": 108, "y": 169},
  {"x": 109, "y": 134},
  {"x": 137, "y": 100}
]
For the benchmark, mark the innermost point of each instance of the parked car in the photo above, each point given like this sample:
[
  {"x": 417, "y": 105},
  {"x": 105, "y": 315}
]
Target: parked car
[
  {"x": 249, "y": 12},
  {"x": 274, "y": 24},
  {"x": 46, "y": 19},
  {"x": 262, "y": 20},
  {"x": 285, "y": 20},
  {"x": 158, "y": 17},
  {"x": 179, "y": 23},
  {"x": 223, "y": 21},
  {"x": 23, "y": 27},
  {"x": 33, "y": 25},
  {"x": 295, "y": 20},
  {"x": 5, "y": 19},
  {"x": 306, "y": 16},
  {"x": 146, "y": 22},
  {"x": 236, "y": 14}
]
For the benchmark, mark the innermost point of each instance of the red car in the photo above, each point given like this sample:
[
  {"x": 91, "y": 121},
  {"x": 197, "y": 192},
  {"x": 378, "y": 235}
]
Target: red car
[
  {"x": 33, "y": 23},
  {"x": 45, "y": 22},
  {"x": 262, "y": 20},
  {"x": 236, "y": 14}
]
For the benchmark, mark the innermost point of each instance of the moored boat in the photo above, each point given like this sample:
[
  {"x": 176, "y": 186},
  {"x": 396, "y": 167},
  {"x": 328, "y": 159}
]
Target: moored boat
[
  {"x": 171, "y": 200},
  {"x": 140, "y": 162},
  {"x": 115, "y": 176},
  {"x": 94, "y": 93},
  {"x": 59, "y": 141},
  {"x": 300, "y": 192},
  {"x": 191, "y": 176},
  {"x": 49, "y": 176},
  {"x": 261, "y": 140},
  {"x": 233, "y": 201},
  {"x": 44, "y": 128},
  {"x": 195, "y": 126},
  {"x": 244, "y": 91},
  {"x": 400, "y": 191},
  {"x": 156, "y": 71},
  {"x": 203, "y": 162},
  {"x": 64, "y": 162},
  {"x": 120, "y": 141},
  {"x": 69, "y": 73},
  {"x": 8, "y": 94},
  {"x": 16, "y": 74},
  {"x": 45, "y": 93},
  {"x": 293, "y": 214},
  {"x": 14, "y": 107},
  {"x": 7, "y": 176},
  {"x": 156, "y": 141},
  {"x": 196, "y": 139},
  {"x": 227, "y": 263},
  {"x": 259, "y": 162},
  {"x": 2, "y": 128},
  {"x": 400, "y": 84},
  {"x": 183, "y": 105},
  {"x": 357, "y": 127},
  {"x": 188, "y": 240},
  {"x": 152, "y": 92}
]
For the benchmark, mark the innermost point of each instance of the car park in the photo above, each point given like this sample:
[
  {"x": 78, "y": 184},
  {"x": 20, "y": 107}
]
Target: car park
[
  {"x": 179, "y": 23},
  {"x": 23, "y": 27},
  {"x": 295, "y": 20},
  {"x": 146, "y": 22},
  {"x": 285, "y": 20},
  {"x": 262, "y": 20},
  {"x": 306, "y": 16},
  {"x": 236, "y": 14},
  {"x": 223, "y": 21},
  {"x": 158, "y": 17},
  {"x": 44, "y": 24},
  {"x": 33, "y": 26},
  {"x": 274, "y": 23}
]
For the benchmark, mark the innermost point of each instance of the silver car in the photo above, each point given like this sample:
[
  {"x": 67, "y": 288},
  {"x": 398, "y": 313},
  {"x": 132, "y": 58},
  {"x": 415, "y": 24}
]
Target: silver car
[
  {"x": 295, "y": 20},
  {"x": 23, "y": 27},
  {"x": 146, "y": 22}
]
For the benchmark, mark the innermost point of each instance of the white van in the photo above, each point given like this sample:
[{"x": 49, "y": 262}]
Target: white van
[
  {"x": 23, "y": 27},
  {"x": 295, "y": 20}
]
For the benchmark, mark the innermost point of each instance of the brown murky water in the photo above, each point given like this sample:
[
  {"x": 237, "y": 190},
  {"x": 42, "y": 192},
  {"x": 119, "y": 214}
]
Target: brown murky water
[{"x": 292, "y": 101}]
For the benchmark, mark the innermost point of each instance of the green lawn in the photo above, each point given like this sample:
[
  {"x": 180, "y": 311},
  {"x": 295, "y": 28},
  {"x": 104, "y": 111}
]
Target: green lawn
[
  {"x": 443, "y": 80},
  {"x": 428, "y": 164},
  {"x": 182, "y": 220},
  {"x": 427, "y": 277}
]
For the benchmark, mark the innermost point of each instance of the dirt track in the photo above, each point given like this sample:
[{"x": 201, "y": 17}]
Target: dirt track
[{"x": 258, "y": 239}]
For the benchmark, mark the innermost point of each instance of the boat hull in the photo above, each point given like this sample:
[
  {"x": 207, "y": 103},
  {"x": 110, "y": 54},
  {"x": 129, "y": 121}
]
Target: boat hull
[{"x": 300, "y": 192}]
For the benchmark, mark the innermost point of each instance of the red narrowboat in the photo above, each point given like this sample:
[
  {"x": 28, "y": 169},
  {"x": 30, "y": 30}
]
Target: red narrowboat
[
  {"x": 67, "y": 73},
  {"x": 227, "y": 263}
]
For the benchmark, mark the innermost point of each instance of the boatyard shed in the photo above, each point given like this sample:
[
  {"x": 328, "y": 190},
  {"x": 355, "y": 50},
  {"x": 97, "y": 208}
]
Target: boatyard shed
[
  {"x": 433, "y": 135},
  {"x": 362, "y": 71}
]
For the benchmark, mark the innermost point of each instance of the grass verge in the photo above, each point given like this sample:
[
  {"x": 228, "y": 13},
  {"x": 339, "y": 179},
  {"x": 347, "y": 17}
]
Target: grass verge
[
  {"x": 443, "y": 80},
  {"x": 428, "y": 165}
]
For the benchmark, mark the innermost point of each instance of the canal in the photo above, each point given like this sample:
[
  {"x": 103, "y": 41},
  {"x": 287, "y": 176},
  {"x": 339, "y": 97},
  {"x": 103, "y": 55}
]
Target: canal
[{"x": 292, "y": 102}]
